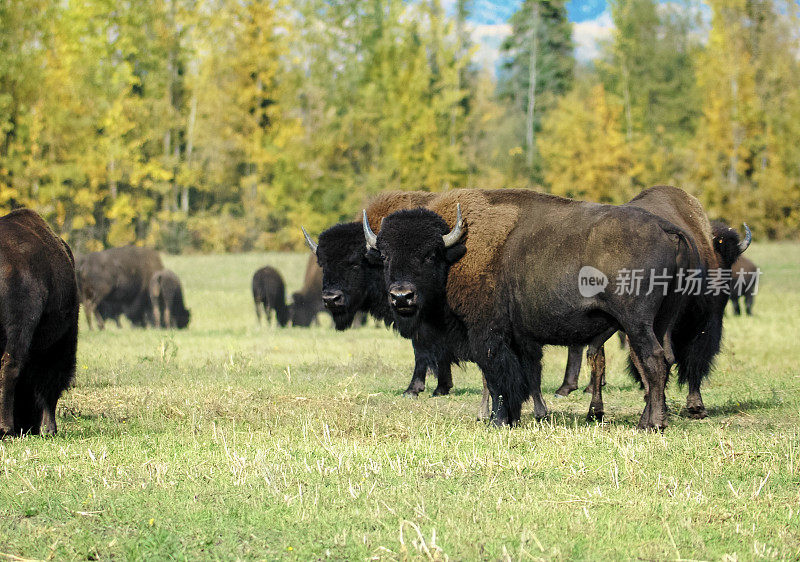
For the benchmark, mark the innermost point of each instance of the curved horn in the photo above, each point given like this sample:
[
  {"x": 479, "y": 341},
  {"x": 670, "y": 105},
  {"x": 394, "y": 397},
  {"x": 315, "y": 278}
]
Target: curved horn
[
  {"x": 309, "y": 241},
  {"x": 452, "y": 237},
  {"x": 748, "y": 236},
  {"x": 369, "y": 236}
]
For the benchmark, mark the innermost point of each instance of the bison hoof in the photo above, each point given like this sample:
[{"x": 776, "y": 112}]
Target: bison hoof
[
  {"x": 564, "y": 391},
  {"x": 411, "y": 393},
  {"x": 441, "y": 391},
  {"x": 696, "y": 413},
  {"x": 595, "y": 416}
]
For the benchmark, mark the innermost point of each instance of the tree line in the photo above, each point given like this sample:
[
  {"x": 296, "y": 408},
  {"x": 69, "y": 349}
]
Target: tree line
[{"x": 221, "y": 125}]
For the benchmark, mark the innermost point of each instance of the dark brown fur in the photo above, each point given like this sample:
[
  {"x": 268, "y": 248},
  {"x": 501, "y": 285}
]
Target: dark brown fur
[
  {"x": 39, "y": 321},
  {"x": 166, "y": 294},
  {"x": 119, "y": 279},
  {"x": 307, "y": 302}
]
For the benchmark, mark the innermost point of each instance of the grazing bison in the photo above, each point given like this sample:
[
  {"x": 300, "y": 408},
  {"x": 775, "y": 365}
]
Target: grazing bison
[
  {"x": 698, "y": 331},
  {"x": 307, "y": 302},
  {"x": 166, "y": 295},
  {"x": 744, "y": 283},
  {"x": 353, "y": 282},
  {"x": 269, "y": 293},
  {"x": 519, "y": 291},
  {"x": 39, "y": 321},
  {"x": 119, "y": 279}
]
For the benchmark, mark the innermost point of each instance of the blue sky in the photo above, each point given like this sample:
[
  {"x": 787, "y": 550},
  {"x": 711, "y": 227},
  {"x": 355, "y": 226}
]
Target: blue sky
[{"x": 591, "y": 19}]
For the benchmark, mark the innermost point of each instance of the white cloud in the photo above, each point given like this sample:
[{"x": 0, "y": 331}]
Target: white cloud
[
  {"x": 488, "y": 38},
  {"x": 588, "y": 34}
]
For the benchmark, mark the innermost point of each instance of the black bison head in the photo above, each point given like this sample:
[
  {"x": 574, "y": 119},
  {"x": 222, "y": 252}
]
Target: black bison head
[
  {"x": 352, "y": 278},
  {"x": 727, "y": 244},
  {"x": 417, "y": 249},
  {"x": 303, "y": 310},
  {"x": 182, "y": 318}
]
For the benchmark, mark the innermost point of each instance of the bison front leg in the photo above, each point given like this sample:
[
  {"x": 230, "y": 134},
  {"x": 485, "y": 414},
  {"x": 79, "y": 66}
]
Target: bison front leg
[
  {"x": 444, "y": 375},
  {"x": 423, "y": 359},
  {"x": 10, "y": 368},
  {"x": 508, "y": 382},
  {"x": 574, "y": 359}
]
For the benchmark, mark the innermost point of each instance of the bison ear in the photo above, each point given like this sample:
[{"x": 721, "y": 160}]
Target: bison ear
[
  {"x": 373, "y": 257},
  {"x": 454, "y": 253}
]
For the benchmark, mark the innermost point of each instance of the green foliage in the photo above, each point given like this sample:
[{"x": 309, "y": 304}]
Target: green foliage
[{"x": 215, "y": 125}]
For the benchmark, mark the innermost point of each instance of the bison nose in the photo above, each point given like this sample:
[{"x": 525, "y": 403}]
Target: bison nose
[
  {"x": 402, "y": 294},
  {"x": 333, "y": 298}
]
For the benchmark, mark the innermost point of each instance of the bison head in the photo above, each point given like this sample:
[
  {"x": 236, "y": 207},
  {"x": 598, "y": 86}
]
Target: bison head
[
  {"x": 727, "y": 244},
  {"x": 352, "y": 279},
  {"x": 417, "y": 249}
]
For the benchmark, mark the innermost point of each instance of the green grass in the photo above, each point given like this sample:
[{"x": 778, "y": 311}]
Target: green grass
[{"x": 228, "y": 441}]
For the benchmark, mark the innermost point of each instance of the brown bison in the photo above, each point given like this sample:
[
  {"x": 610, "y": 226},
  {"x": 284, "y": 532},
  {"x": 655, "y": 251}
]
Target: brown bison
[
  {"x": 269, "y": 294},
  {"x": 118, "y": 281},
  {"x": 166, "y": 295},
  {"x": 505, "y": 282},
  {"x": 307, "y": 302},
  {"x": 39, "y": 321},
  {"x": 744, "y": 283},
  {"x": 698, "y": 332}
]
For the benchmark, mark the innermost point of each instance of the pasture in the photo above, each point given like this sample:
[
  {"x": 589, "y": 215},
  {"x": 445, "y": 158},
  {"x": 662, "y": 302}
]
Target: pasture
[{"x": 230, "y": 441}]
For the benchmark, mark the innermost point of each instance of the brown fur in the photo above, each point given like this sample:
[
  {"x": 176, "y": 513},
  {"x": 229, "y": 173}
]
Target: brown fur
[
  {"x": 683, "y": 210},
  {"x": 489, "y": 215}
]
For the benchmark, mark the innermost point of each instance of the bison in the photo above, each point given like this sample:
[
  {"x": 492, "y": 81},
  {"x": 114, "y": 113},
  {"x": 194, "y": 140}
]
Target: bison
[
  {"x": 166, "y": 295},
  {"x": 117, "y": 280},
  {"x": 353, "y": 282},
  {"x": 698, "y": 331},
  {"x": 744, "y": 283},
  {"x": 269, "y": 294},
  {"x": 39, "y": 321},
  {"x": 307, "y": 302},
  {"x": 518, "y": 290}
]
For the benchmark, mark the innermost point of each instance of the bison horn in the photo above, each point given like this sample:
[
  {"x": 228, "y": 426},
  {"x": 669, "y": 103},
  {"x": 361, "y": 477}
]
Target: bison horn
[
  {"x": 309, "y": 241},
  {"x": 747, "y": 237},
  {"x": 453, "y": 236},
  {"x": 369, "y": 236}
]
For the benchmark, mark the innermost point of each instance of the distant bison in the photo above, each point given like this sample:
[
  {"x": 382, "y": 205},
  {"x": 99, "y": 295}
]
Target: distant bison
[
  {"x": 744, "y": 283},
  {"x": 166, "y": 295},
  {"x": 269, "y": 293},
  {"x": 39, "y": 321},
  {"x": 307, "y": 302},
  {"x": 118, "y": 281}
]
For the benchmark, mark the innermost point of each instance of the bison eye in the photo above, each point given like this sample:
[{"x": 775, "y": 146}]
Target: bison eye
[{"x": 430, "y": 257}]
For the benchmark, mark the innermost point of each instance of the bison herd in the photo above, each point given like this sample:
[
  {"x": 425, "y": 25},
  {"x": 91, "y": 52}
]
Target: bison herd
[{"x": 484, "y": 276}]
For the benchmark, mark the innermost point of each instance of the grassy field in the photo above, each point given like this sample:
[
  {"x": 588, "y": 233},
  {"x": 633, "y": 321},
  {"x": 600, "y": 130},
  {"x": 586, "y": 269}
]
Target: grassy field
[{"x": 230, "y": 441}]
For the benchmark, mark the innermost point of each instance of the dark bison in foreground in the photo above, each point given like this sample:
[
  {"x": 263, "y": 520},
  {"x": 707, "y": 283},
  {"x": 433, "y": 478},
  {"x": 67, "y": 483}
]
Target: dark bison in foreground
[
  {"x": 118, "y": 281},
  {"x": 39, "y": 321},
  {"x": 744, "y": 283},
  {"x": 353, "y": 283},
  {"x": 307, "y": 302},
  {"x": 519, "y": 290},
  {"x": 166, "y": 295},
  {"x": 269, "y": 293}
]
